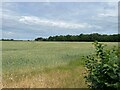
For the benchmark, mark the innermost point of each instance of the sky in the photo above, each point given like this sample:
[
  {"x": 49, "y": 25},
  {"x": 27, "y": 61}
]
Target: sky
[{"x": 29, "y": 20}]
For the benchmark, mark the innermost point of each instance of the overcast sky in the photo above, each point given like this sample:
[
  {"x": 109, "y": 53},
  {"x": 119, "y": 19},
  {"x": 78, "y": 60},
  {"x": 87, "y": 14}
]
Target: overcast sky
[{"x": 29, "y": 20}]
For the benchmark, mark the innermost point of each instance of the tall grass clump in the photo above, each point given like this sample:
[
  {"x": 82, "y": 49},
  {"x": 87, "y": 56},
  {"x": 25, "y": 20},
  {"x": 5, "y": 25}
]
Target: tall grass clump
[{"x": 103, "y": 68}]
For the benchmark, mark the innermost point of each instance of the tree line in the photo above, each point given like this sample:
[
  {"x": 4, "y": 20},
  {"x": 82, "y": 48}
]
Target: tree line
[
  {"x": 83, "y": 37},
  {"x": 7, "y": 39},
  {"x": 11, "y": 40}
]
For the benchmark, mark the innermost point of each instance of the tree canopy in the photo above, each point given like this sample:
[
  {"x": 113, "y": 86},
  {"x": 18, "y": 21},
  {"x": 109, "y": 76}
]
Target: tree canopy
[{"x": 83, "y": 37}]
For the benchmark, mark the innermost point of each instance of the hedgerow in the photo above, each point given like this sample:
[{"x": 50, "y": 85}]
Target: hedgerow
[{"x": 103, "y": 68}]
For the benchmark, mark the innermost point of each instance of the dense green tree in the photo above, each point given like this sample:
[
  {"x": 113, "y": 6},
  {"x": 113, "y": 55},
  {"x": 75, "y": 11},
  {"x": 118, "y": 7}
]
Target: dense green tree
[
  {"x": 103, "y": 68},
  {"x": 83, "y": 37}
]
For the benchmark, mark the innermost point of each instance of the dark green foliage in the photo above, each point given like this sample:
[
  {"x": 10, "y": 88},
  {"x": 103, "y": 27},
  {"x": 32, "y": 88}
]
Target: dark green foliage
[
  {"x": 7, "y": 39},
  {"x": 103, "y": 68},
  {"x": 39, "y": 39},
  {"x": 83, "y": 37}
]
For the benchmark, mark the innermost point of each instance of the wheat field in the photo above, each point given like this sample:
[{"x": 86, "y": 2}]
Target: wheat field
[{"x": 30, "y": 64}]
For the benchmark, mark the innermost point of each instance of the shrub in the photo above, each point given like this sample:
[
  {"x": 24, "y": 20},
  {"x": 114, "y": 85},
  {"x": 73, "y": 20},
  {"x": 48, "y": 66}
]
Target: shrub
[{"x": 103, "y": 68}]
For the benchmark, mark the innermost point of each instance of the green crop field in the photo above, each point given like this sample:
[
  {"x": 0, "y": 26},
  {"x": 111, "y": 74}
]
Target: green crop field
[{"x": 45, "y": 64}]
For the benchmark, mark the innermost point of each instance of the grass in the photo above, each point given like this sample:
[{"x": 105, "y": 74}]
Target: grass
[{"x": 45, "y": 64}]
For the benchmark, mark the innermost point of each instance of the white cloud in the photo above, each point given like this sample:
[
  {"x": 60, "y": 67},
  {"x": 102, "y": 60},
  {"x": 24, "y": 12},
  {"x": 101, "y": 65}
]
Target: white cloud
[
  {"x": 31, "y": 20},
  {"x": 113, "y": 4},
  {"x": 109, "y": 9},
  {"x": 108, "y": 15},
  {"x": 60, "y": 0},
  {"x": 9, "y": 33}
]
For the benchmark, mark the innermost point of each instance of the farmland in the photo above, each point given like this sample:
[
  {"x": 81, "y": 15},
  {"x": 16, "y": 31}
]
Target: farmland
[{"x": 45, "y": 64}]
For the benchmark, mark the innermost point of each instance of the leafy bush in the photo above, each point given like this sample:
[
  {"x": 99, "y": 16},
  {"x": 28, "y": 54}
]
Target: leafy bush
[{"x": 103, "y": 68}]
